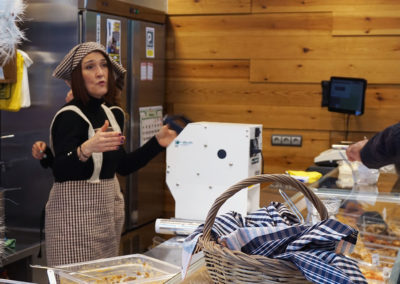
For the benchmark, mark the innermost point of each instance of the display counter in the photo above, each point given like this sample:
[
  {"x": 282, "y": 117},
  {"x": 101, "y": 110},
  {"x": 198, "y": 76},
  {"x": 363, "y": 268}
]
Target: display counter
[{"x": 372, "y": 209}]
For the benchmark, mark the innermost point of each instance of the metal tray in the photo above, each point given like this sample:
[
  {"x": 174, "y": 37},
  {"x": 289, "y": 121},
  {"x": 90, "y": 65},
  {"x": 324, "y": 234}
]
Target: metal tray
[{"x": 130, "y": 269}]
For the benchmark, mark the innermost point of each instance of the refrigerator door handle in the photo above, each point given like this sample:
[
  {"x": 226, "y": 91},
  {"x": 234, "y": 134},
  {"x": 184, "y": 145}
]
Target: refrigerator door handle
[{"x": 80, "y": 27}]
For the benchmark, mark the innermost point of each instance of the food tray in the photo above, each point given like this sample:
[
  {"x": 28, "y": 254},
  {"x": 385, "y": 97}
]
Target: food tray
[
  {"x": 378, "y": 244},
  {"x": 130, "y": 269},
  {"x": 373, "y": 274}
]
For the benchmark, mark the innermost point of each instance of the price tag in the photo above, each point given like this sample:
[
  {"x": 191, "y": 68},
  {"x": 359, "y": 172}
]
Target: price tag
[
  {"x": 375, "y": 259},
  {"x": 52, "y": 277},
  {"x": 386, "y": 273}
]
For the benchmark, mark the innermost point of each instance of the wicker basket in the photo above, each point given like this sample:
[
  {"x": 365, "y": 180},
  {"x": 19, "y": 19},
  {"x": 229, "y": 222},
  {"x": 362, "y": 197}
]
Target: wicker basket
[{"x": 228, "y": 266}]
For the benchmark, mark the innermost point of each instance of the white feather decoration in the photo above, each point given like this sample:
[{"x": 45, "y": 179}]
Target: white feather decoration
[{"x": 11, "y": 12}]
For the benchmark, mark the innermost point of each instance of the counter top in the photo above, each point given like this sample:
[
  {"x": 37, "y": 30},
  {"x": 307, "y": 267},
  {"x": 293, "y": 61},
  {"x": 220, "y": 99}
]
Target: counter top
[
  {"x": 169, "y": 251},
  {"x": 27, "y": 244}
]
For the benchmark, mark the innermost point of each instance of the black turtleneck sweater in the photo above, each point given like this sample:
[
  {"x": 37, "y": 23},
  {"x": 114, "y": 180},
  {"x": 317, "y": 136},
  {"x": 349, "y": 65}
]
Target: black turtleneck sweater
[{"x": 70, "y": 130}]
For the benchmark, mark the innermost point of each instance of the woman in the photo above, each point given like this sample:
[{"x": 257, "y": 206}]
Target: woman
[{"x": 84, "y": 215}]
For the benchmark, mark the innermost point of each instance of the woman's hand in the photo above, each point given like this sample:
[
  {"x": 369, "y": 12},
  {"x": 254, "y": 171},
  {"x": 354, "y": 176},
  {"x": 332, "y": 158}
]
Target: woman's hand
[
  {"x": 38, "y": 149},
  {"x": 102, "y": 141},
  {"x": 165, "y": 136},
  {"x": 353, "y": 151}
]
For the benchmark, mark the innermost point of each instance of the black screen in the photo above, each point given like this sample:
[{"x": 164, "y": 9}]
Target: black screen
[{"x": 347, "y": 95}]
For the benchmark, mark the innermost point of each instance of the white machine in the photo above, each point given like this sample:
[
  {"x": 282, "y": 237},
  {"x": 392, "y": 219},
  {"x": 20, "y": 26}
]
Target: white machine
[
  {"x": 206, "y": 159},
  {"x": 331, "y": 156}
]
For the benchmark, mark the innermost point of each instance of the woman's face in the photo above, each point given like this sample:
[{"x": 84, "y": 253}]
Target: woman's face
[{"x": 95, "y": 74}]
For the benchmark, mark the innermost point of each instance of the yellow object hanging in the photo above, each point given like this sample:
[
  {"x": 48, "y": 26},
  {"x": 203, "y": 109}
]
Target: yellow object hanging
[{"x": 10, "y": 94}]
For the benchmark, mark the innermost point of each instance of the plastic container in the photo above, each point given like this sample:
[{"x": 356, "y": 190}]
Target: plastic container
[
  {"x": 14, "y": 281},
  {"x": 129, "y": 269},
  {"x": 373, "y": 274}
]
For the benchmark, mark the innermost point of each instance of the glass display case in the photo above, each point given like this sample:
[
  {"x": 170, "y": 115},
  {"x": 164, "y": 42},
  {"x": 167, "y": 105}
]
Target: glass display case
[{"x": 373, "y": 209}]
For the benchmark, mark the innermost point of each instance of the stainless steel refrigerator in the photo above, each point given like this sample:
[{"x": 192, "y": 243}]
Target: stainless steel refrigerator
[{"x": 52, "y": 28}]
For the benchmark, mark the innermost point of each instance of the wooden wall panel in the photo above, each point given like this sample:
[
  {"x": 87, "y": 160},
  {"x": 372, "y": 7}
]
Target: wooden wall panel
[
  {"x": 277, "y": 159},
  {"x": 219, "y": 51},
  {"x": 239, "y": 92},
  {"x": 227, "y": 69},
  {"x": 284, "y": 47},
  {"x": 242, "y": 92},
  {"x": 314, "y": 71},
  {"x": 288, "y": 117},
  {"x": 262, "y": 6},
  {"x": 383, "y": 97},
  {"x": 336, "y": 137},
  {"x": 366, "y": 23},
  {"x": 252, "y": 24},
  {"x": 208, "y": 6}
]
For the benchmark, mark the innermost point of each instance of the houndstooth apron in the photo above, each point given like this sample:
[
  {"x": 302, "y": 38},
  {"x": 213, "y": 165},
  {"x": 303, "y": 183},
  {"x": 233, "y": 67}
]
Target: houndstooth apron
[{"x": 84, "y": 219}]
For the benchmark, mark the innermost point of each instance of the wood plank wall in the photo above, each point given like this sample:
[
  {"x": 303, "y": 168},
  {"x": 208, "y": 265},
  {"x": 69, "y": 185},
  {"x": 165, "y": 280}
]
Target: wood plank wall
[{"x": 262, "y": 61}]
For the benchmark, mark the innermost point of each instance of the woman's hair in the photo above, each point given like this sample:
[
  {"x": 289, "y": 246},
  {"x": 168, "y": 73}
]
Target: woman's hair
[{"x": 79, "y": 89}]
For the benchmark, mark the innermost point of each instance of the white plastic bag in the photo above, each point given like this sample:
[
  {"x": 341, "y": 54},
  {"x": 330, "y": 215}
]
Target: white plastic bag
[{"x": 356, "y": 171}]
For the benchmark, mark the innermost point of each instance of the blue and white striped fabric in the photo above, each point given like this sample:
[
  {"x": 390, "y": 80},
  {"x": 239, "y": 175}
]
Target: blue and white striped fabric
[
  {"x": 275, "y": 232},
  {"x": 276, "y": 214}
]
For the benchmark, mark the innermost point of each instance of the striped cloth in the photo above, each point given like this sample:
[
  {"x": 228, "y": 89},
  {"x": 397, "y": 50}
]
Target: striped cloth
[
  {"x": 274, "y": 232},
  {"x": 275, "y": 215}
]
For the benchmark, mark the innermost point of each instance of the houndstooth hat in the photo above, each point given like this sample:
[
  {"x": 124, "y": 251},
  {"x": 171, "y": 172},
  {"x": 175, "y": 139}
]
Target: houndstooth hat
[{"x": 74, "y": 57}]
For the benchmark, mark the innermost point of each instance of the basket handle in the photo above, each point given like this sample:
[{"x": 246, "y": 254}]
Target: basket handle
[{"x": 284, "y": 179}]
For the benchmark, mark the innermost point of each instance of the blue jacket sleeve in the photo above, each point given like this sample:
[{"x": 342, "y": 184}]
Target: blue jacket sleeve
[{"x": 382, "y": 149}]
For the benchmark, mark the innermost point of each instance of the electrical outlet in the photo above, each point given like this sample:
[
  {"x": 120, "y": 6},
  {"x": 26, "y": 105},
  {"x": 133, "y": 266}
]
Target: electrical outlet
[
  {"x": 296, "y": 140},
  {"x": 286, "y": 140},
  {"x": 276, "y": 139}
]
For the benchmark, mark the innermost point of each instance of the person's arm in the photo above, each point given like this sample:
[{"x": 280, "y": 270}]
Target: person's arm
[
  {"x": 68, "y": 132},
  {"x": 41, "y": 152},
  {"x": 353, "y": 151},
  {"x": 137, "y": 159},
  {"x": 165, "y": 136},
  {"x": 382, "y": 149}
]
